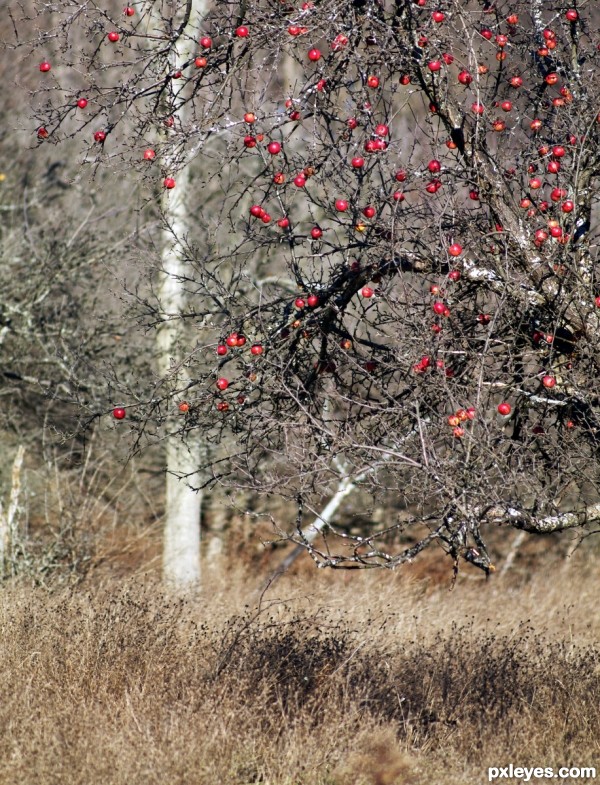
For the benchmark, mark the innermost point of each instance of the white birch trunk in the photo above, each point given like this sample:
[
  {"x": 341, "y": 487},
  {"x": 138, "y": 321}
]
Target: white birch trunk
[
  {"x": 9, "y": 519},
  {"x": 181, "y": 537}
]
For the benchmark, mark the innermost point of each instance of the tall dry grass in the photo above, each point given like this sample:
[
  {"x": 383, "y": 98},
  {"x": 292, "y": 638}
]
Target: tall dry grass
[{"x": 333, "y": 678}]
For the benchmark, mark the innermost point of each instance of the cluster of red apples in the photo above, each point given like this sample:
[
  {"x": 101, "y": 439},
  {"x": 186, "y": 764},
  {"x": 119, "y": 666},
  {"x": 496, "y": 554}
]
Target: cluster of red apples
[{"x": 380, "y": 188}]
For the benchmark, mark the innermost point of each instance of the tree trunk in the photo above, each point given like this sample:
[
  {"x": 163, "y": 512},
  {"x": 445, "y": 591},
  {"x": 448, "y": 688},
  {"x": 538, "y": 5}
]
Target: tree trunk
[
  {"x": 9, "y": 519},
  {"x": 181, "y": 543}
]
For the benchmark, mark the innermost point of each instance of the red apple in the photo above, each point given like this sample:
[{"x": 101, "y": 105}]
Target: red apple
[
  {"x": 339, "y": 42},
  {"x": 314, "y": 55},
  {"x": 149, "y": 154},
  {"x": 206, "y": 42},
  {"x": 341, "y": 205},
  {"x": 504, "y": 409},
  {"x": 169, "y": 183},
  {"x": 242, "y": 31},
  {"x": 433, "y": 186},
  {"x": 119, "y": 413},
  {"x": 45, "y": 67},
  {"x": 113, "y": 36},
  {"x": 274, "y": 148},
  {"x": 82, "y": 103},
  {"x": 222, "y": 383},
  {"x": 367, "y": 291}
]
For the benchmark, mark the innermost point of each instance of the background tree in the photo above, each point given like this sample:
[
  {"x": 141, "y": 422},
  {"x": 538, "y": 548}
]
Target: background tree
[{"x": 396, "y": 286}]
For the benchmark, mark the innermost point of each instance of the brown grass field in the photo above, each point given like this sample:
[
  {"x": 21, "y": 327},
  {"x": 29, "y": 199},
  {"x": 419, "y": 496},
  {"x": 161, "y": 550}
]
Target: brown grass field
[{"x": 331, "y": 678}]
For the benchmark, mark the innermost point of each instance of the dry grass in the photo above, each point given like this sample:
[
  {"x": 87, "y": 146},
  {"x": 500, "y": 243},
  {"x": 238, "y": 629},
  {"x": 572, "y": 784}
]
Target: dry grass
[{"x": 342, "y": 678}]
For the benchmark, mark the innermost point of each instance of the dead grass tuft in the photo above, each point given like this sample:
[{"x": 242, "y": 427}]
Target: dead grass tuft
[{"x": 378, "y": 760}]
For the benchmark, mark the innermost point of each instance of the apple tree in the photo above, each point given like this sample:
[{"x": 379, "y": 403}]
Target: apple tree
[{"x": 386, "y": 252}]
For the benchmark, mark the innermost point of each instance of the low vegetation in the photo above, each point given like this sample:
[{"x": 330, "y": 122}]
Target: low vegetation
[{"x": 327, "y": 678}]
